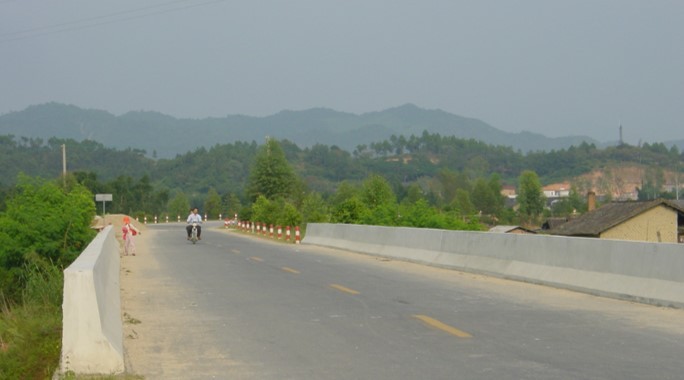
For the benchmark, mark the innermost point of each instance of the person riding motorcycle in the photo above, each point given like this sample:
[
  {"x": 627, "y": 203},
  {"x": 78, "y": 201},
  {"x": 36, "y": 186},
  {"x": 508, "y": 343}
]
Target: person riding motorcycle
[{"x": 194, "y": 217}]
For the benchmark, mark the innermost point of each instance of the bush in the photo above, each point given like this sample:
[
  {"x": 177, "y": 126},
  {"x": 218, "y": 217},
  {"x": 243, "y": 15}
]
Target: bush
[
  {"x": 43, "y": 229},
  {"x": 31, "y": 334}
]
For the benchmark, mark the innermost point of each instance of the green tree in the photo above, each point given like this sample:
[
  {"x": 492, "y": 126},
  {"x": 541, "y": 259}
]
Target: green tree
[
  {"x": 350, "y": 211},
  {"x": 265, "y": 211},
  {"x": 289, "y": 216},
  {"x": 530, "y": 196},
  {"x": 179, "y": 205},
  {"x": 345, "y": 191},
  {"x": 232, "y": 205},
  {"x": 46, "y": 221},
  {"x": 462, "y": 203},
  {"x": 570, "y": 205},
  {"x": 419, "y": 214},
  {"x": 499, "y": 200},
  {"x": 314, "y": 209},
  {"x": 271, "y": 175},
  {"x": 413, "y": 194},
  {"x": 380, "y": 200},
  {"x": 483, "y": 198},
  {"x": 376, "y": 192},
  {"x": 212, "y": 205},
  {"x": 652, "y": 187}
]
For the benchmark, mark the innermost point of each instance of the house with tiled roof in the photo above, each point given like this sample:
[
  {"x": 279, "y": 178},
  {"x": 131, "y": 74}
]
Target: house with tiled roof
[
  {"x": 511, "y": 230},
  {"x": 659, "y": 220}
]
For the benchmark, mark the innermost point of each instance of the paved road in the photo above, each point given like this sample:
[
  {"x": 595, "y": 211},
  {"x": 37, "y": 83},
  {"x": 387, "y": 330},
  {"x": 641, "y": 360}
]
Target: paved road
[{"x": 239, "y": 307}]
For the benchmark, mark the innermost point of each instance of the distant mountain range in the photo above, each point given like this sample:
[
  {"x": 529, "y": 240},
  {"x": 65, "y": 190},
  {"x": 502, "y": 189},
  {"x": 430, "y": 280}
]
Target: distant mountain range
[{"x": 167, "y": 136}]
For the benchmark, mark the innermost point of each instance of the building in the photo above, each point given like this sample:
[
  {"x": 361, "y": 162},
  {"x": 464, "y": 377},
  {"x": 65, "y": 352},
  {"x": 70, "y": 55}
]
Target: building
[
  {"x": 508, "y": 191},
  {"x": 511, "y": 230},
  {"x": 653, "y": 221},
  {"x": 557, "y": 190}
]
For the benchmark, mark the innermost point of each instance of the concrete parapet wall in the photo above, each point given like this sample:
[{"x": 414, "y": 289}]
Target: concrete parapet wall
[
  {"x": 645, "y": 272},
  {"x": 92, "y": 336}
]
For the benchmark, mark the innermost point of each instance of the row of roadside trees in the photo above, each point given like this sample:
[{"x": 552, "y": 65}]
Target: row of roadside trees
[{"x": 277, "y": 196}]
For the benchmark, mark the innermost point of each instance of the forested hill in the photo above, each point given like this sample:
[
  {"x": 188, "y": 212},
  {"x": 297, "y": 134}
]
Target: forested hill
[
  {"x": 421, "y": 159},
  {"x": 164, "y": 136}
]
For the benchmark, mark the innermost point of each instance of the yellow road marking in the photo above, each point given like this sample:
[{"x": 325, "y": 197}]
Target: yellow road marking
[
  {"x": 257, "y": 258},
  {"x": 442, "y": 326},
  {"x": 286, "y": 269},
  {"x": 235, "y": 251},
  {"x": 343, "y": 289}
]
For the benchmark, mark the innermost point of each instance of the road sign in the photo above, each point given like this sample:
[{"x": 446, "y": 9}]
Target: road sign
[{"x": 103, "y": 197}]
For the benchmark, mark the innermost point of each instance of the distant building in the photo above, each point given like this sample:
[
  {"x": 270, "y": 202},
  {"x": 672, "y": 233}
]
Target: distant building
[
  {"x": 508, "y": 191},
  {"x": 557, "y": 190},
  {"x": 511, "y": 230},
  {"x": 553, "y": 223},
  {"x": 659, "y": 221}
]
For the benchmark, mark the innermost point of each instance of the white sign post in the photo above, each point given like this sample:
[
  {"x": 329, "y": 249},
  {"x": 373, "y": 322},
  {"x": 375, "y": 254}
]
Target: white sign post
[{"x": 103, "y": 198}]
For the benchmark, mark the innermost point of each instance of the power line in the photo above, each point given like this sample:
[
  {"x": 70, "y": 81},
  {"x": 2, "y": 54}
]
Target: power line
[
  {"x": 88, "y": 19},
  {"x": 92, "y": 22}
]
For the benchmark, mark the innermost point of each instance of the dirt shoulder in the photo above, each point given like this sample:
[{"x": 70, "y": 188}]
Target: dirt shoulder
[
  {"x": 156, "y": 319},
  {"x": 134, "y": 312}
]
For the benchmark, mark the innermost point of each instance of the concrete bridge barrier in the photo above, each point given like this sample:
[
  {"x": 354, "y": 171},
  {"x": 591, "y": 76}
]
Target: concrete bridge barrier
[
  {"x": 650, "y": 273},
  {"x": 92, "y": 336}
]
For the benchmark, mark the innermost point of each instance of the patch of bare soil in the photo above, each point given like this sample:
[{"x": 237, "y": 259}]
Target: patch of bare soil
[{"x": 621, "y": 181}]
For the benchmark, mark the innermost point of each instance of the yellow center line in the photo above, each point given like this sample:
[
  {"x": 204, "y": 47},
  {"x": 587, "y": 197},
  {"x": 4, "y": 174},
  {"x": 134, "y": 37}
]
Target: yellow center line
[
  {"x": 259, "y": 259},
  {"x": 286, "y": 269},
  {"x": 343, "y": 289},
  {"x": 442, "y": 326},
  {"x": 235, "y": 251}
]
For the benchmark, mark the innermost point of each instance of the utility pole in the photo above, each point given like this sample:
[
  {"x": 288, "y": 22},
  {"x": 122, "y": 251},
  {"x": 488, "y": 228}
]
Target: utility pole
[
  {"x": 64, "y": 164},
  {"x": 677, "y": 181},
  {"x": 622, "y": 142}
]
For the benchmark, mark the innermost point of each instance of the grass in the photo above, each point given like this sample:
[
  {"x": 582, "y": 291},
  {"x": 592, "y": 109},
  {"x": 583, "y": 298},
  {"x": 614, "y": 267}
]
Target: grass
[
  {"x": 31, "y": 331},
  {"x": 71, "y": 376},
  {"x": 130, "y": 320}
]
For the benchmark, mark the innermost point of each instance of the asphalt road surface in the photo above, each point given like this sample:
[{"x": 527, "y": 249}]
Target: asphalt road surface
[{"x": 235, "y": 306}]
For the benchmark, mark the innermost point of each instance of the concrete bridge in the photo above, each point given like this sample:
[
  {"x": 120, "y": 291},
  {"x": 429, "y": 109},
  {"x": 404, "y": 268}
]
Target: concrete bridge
[{"x": 375, "y": 302}]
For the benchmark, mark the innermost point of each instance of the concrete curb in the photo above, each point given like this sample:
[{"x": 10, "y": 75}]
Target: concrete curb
[
  {"x": 651, "y": 273},
  {"x": 92, "y": 336}
]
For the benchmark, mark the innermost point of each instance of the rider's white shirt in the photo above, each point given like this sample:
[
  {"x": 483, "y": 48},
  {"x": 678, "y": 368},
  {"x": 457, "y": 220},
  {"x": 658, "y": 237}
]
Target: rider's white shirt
[{"x": 194, "y": 218}]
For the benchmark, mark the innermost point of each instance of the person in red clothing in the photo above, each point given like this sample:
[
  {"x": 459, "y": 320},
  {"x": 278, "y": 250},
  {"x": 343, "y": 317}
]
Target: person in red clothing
[{"x": 129, "y": 231}]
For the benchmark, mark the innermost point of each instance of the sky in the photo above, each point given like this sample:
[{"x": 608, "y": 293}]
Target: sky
[{"x": 559, "y": 68}]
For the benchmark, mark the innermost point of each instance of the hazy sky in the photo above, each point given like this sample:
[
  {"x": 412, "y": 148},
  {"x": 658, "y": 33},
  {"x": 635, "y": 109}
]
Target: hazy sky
[{"x": 574, "y": 67}]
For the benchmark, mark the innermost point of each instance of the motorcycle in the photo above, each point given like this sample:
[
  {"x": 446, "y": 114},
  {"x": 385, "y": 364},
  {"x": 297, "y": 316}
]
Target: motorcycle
[{"x": 193, "y": 233}]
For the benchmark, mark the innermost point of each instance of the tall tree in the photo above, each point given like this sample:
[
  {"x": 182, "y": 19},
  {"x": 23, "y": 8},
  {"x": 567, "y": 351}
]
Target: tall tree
[
  {"x": 212, "y": 205},
  {"x": 530, "y": 196},
  {"x": 179, "y": 205},
  {"x": 462, "y": 203},
  {"x": 232, "y": 205},
  {"x": 496, "y": 188},
  {"x": 271, "y": 175},
  {"x": 376, "y": 192},
  {"x": 314, "y": 209},
  {"x": 483, "y": 197}
]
